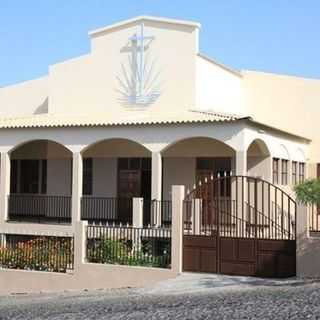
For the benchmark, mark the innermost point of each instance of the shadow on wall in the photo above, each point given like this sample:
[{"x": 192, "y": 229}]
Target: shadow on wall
[
  {"x": 308, "y": 256},
  {"x": 43, "y": 108}
]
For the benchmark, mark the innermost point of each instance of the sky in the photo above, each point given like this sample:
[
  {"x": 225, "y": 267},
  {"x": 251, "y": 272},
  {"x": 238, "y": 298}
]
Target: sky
[{"x": 278, "y": 36}]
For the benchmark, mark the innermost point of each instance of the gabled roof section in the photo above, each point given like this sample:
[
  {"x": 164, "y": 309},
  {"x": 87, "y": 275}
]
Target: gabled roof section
[
  {"x": 130, "y": 118},
  {"x": 142, "y": 19},
  {"x": 119, "y": 119}
]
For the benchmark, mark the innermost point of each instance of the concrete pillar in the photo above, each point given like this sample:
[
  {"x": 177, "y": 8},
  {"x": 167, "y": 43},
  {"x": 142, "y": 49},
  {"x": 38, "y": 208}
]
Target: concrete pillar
[
  {"x": 156, "y": 176},
  {"x": 137, "y": 212},
  {"x": 196, "y": 216},
  {"x": 77, "y": 175},
  {"x": 80, "y": 244},
  {"x": 178, "y": 193},
  {"x": 4, "y": 186},
  {"x": 241, "y": 163},
  {"x": 156, "y": 188},
  {"x": 301, "y": 238}
]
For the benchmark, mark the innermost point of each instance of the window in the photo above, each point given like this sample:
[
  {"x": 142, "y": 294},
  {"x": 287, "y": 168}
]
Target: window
[
  {"x": 294, "y": 172},
  {"x": 284, "y": 172},
  {"x": 302, "y": 173},
  {"x": 87, "y": 176},
  {"x": 275, "y": 170}
]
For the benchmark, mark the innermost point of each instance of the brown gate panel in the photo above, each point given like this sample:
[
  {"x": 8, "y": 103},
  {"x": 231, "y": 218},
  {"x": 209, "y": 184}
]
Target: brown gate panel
[
  {"x": 239, "y": 225},
  {"x": 199, "y": 254},
  {"x": 276, "y": 258},
  {"x": 237, "y": 256}
]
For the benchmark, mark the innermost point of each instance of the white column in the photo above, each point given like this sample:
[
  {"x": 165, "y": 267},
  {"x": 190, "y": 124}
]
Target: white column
[
  {"x": 156, "y": 176},
  {"x": 76, "y": 187},
  {"x": 4, "y": 186},
  {"x": 80, "y": 244},
  {"x": 241, "y": 163},
  {"x": 137, "y": 212},
  {"x": 156, "y": 186},
  {"x": 178, "y": 194},
  {"x": 196, "y": 216}
]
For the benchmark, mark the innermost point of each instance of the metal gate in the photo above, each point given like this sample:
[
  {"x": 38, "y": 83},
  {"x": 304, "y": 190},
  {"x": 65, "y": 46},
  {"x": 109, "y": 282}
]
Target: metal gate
[{"x": 239, "y": 225}]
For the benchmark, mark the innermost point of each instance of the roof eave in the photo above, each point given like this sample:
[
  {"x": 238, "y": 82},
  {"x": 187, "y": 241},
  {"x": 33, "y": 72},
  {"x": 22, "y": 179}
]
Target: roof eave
[{"x": 143, "y": 18}]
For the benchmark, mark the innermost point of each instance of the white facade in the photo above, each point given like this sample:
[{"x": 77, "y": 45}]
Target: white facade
[{"x": 191, "y": 107}]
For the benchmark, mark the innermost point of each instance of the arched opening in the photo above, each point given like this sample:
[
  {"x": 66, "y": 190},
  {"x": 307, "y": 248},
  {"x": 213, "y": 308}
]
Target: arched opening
[
  {"x": 188, "y": 161},
  {"x": 114, "y": 172},
  {"x": 259, "y": 160},
  {"x": 40, "y": 182}
]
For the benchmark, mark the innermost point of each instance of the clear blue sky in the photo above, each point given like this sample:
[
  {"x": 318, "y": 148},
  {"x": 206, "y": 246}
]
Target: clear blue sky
[{"x": 280, "y": 36}]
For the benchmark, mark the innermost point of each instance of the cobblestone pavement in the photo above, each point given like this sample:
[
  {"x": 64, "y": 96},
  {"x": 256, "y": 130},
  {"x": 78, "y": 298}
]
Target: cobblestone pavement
[{"x": 190, "y": 296}]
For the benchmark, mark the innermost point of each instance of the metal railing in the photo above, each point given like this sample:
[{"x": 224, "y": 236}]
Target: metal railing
[
  {"x": 106, "y": 210},
  {"x": 251, "y": 208},
  {"x": 314, "y": 218},
  {"x": 149, "y": 247},
  {"x": 157, "y": 213},
  {"x": 45, "y": 253},
  {"x": 39, "y": 208}
]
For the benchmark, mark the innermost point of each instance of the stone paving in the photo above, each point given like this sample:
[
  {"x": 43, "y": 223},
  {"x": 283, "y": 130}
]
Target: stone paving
[{"x": 190, "y": 296}]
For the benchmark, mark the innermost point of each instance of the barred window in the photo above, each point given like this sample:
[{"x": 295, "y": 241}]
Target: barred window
[
  {"x": 302, "y": 173},
  {"x": 294, "y": 172},
  {"x": 275, "y": 170},
  {"x": 284, "y": 172}
]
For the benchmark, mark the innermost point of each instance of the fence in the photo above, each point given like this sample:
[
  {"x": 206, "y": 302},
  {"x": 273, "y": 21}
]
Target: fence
[
  {"x": 45, "y": 253},
  {"x": 107, "y": 210},
  {"x": 157, "y": 213},
  {"x": 314, "y": 218},
  {"x": 240, "y": 206},
  {"x": 40, "y": 208},
  {"x": 148, "y": 247}
]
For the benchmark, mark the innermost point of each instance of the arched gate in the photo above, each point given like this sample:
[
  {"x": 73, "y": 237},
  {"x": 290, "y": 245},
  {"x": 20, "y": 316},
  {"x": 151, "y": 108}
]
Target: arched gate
[{"x": 239, "y": 225}]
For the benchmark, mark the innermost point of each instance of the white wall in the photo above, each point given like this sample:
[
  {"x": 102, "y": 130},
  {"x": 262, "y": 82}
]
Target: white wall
[
  {"x": 217, "y": 88},
  {"x": 25, "y": 98},
  {"x": 92, "y": 81},
  {"x": 105, "y": 177},
  {"x": 178, "y": 171},
  {"x": 59, "y": 175}
]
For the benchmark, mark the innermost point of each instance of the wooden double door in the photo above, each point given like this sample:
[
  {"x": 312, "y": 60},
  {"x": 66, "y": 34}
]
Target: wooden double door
[{"x": 134, "y": 180}]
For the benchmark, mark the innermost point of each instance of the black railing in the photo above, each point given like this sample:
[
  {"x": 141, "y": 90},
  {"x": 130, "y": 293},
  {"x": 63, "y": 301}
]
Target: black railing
[
  {"x": 251, "y": 208},
  {"x": 157, "y": 213},
  {"x": 314, "y": 218},
  {"x": 39, "y": 208},
  {"x": 106, "y": 210},
  {"x": 129, "y": 246},
  {"x": 45, "y": 253}
]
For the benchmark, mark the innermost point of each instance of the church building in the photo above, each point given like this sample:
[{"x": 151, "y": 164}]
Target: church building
[{"x": 142, "y": 111}]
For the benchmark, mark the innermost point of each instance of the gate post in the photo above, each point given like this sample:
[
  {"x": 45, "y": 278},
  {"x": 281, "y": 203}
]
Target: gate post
[
  {"x": 137, "y": 212},
  {"x": 196, "y": 216},
  {"x": 178, "y": 194}
]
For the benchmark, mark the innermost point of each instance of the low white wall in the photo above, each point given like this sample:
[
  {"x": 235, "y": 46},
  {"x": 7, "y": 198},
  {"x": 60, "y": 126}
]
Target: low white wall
[
  {"x": 89, "y": 276},
  {"x": 308, "y": 248}
]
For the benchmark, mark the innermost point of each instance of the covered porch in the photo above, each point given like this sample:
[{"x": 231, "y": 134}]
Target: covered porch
[{"x": 113, "y": 173}]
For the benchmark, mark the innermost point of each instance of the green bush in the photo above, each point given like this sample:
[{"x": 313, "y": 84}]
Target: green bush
[
  {"x": 308, "y": 192},
  {"x": 122, "y": 252},
  {"x": 41, "y": 254}
]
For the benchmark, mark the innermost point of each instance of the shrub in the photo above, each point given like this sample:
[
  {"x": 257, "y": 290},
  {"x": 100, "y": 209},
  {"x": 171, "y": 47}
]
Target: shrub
[
  {"x": 42, "y": 254},
  {"x": 122, "y": 252},
  {"x": 308, "y": 192}
]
